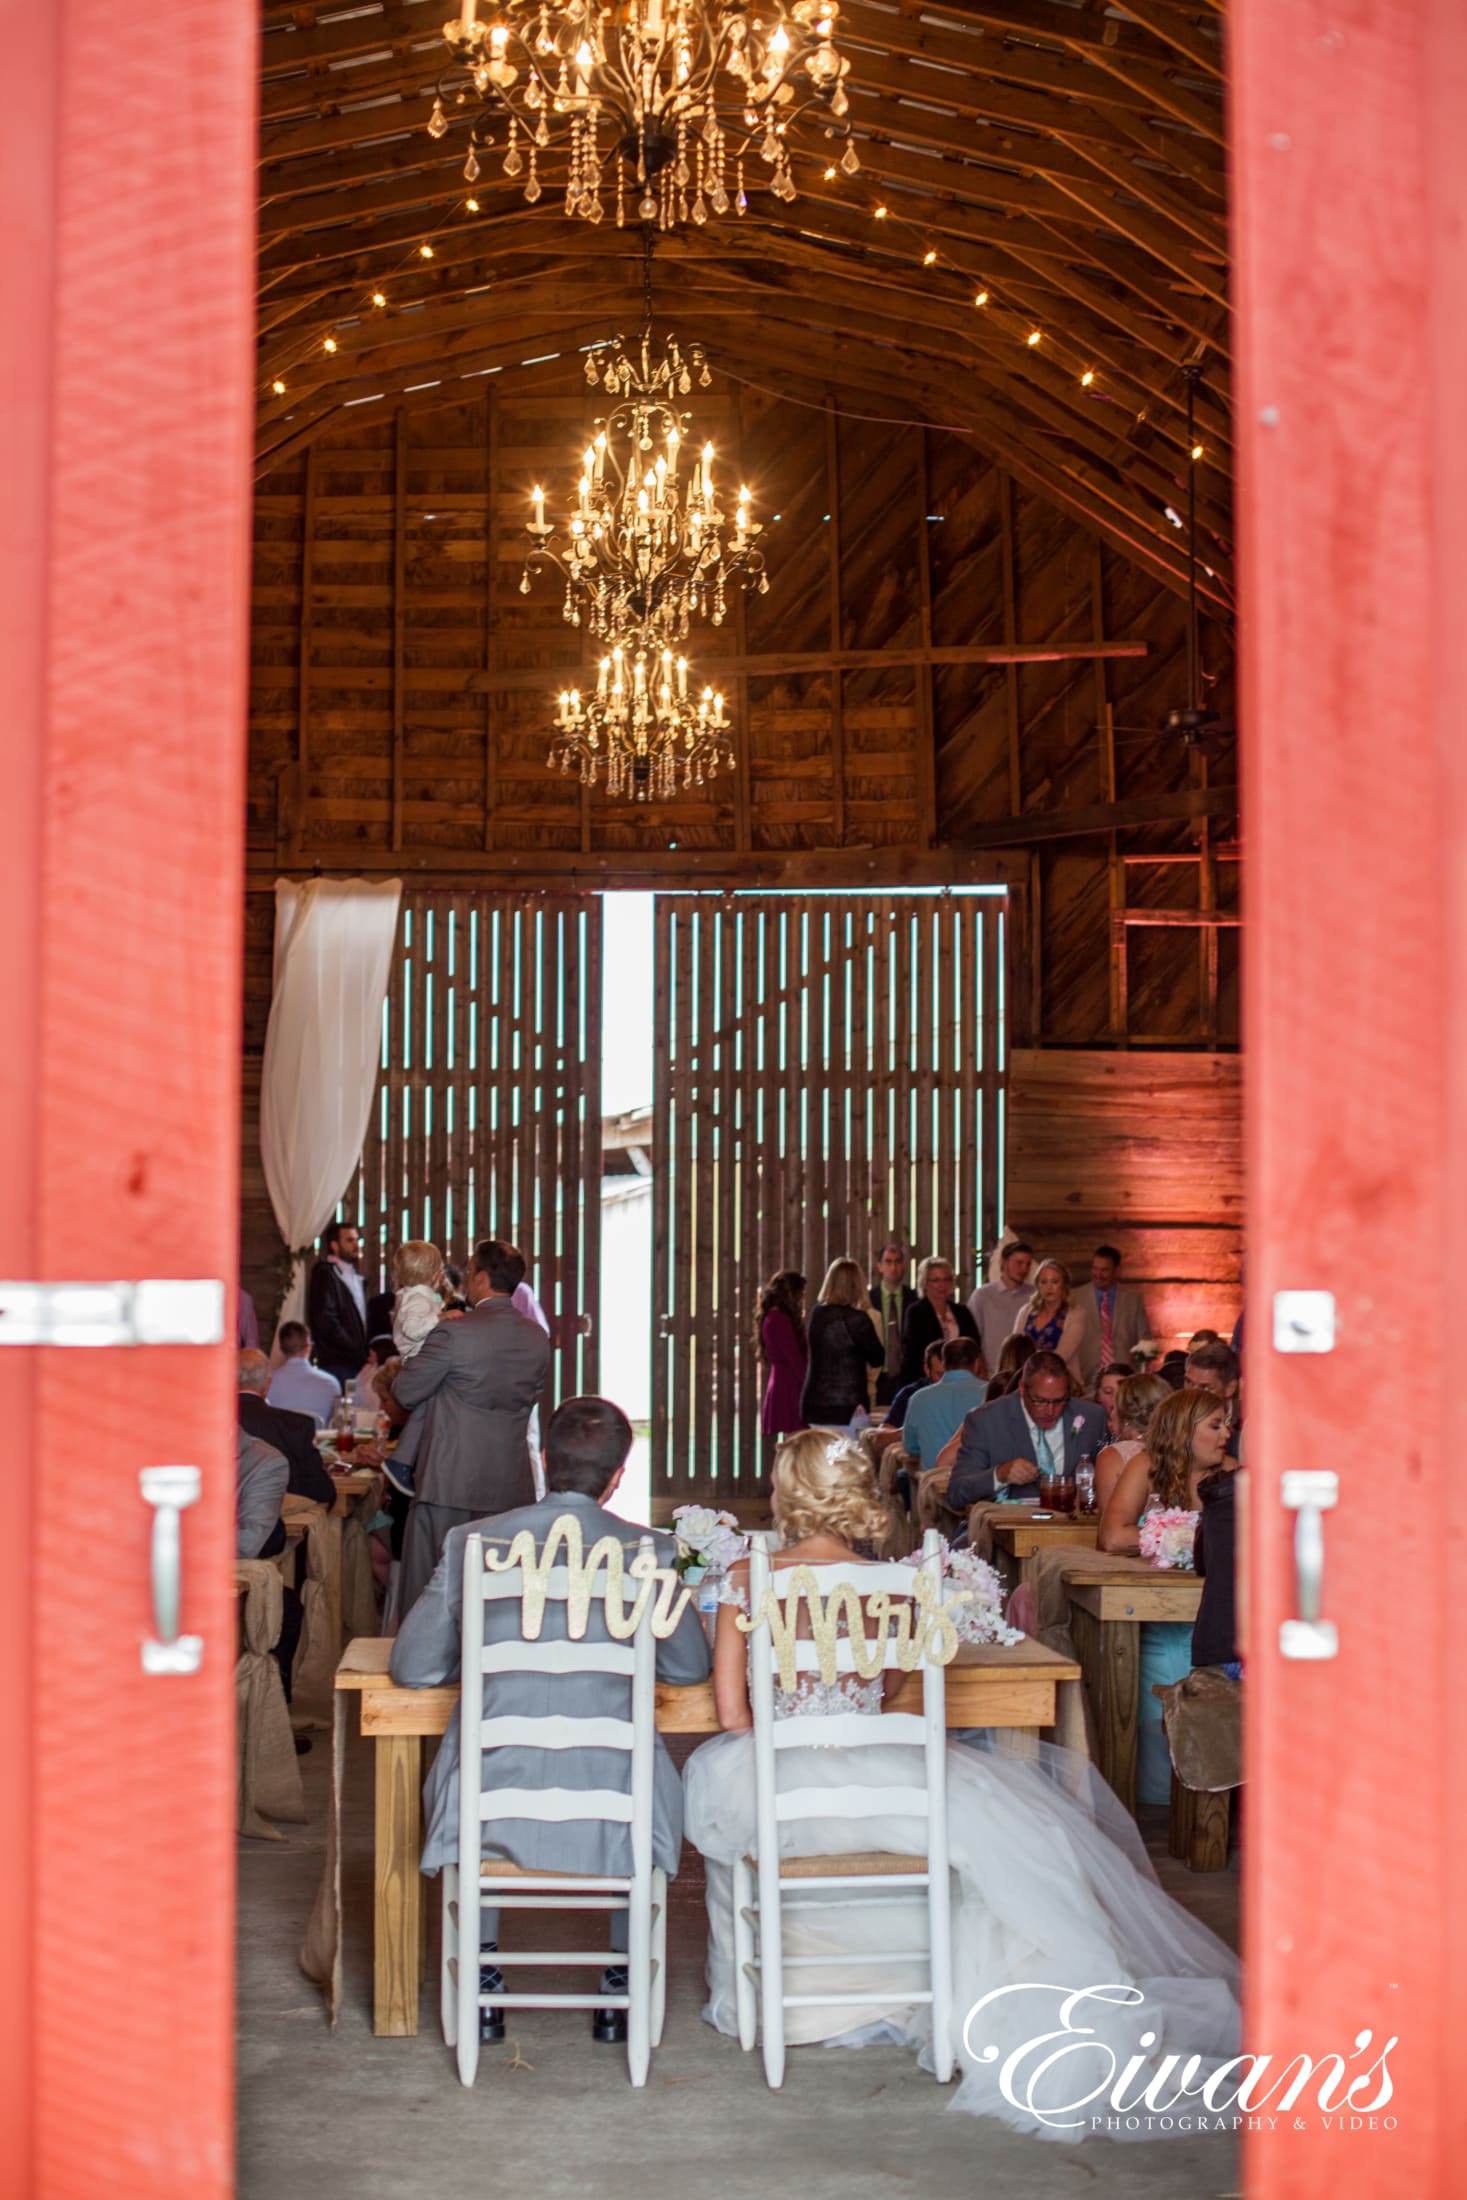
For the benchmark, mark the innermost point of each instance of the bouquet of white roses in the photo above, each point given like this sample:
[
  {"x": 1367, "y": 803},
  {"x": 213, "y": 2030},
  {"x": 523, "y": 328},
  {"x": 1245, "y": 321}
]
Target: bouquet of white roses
[
  {"x": 979, "y": 1618},
  {"x": 1167, "y": 1537},
  {"x": 707, "y": 1541}
]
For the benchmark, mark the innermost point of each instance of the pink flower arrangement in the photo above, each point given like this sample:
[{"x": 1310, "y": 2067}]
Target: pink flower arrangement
[
  {"x": 980, "y": 1617},
  {"x": 1167, "y": 1538}
]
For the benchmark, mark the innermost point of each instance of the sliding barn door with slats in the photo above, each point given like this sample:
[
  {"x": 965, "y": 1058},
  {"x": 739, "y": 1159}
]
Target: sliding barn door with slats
[
  {"x": 487, "y": 1117},
  {"x": 829, "y": 1071}
]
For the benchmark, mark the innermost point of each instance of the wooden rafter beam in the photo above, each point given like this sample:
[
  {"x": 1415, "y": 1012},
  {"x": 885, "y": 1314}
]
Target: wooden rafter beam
[
  {"x": 788, "y": 663},
  {"x": 1103, "y": 817},
  {"x": 1171, "y": 25}
]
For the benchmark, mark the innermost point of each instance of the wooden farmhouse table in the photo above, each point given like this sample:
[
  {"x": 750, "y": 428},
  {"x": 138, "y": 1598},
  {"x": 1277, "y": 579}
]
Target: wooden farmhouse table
[
  {"x": 1017, "y": 1543},
  {"x": 992, "y": 1685},
  {"x": 355, "y": 1483},
  {"x": 1107, "y": 1611}
]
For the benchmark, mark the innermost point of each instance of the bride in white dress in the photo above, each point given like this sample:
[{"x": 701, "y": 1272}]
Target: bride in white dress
[{"x": 1052, "y": 1888}]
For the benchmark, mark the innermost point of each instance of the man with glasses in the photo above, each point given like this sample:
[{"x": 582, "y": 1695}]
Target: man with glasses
[{"x": 1003, "y": 1449}]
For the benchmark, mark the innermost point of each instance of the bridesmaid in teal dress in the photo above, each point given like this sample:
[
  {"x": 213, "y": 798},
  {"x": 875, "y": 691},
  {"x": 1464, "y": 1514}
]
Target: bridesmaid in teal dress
[{"x": 1186, "y": 1440}]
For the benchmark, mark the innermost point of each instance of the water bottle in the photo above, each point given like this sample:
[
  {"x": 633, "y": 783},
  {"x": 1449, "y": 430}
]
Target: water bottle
[{"x": 708, "y": 1605}]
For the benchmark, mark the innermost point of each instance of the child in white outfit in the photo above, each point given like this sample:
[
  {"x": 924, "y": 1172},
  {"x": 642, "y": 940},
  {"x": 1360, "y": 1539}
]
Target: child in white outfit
[{"x": 417, "y": 1268}]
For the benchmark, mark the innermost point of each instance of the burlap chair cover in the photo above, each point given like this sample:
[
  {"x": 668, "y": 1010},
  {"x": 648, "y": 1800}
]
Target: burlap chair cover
[
  {"x": 313, "y": 1676},
  {"x": 359, "y": 1613},
  {"x": 1048, "y": 1584},
  {"x": 1203, "y": 1717},
  {"x": 320, "y": 1956},
  {"x": 269, "y": 1784},
  {"x": 933, "y": 1510},
  {"x": 982, "y": 1518}
]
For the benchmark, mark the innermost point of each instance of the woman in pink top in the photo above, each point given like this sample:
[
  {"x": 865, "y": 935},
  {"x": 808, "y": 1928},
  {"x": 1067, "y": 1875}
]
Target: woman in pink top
[
  {"x": 783, "y": 1351},
  {"x": 1136, "y": 1402}
]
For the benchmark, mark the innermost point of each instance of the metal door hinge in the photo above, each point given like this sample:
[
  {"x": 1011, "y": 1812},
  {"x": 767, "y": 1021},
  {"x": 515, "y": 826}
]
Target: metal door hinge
[
  {"x": 170, "y": 1491},
  {"x": 159, "y": 1310}
]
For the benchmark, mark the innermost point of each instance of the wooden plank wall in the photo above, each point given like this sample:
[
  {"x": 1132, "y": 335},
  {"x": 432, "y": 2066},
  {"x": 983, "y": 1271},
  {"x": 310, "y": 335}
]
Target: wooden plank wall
[
  {"x": 1144, "y": 1151},
  {"x": 387, "y": 613},
  {"x": 829, "y": 1069}
]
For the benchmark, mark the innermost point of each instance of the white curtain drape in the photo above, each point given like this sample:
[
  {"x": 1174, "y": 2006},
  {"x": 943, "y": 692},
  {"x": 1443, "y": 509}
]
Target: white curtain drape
[{"x": 333, "y": 952}]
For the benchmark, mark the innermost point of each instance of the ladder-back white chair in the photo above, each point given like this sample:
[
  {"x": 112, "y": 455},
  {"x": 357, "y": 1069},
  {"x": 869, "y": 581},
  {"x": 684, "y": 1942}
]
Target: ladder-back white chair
[
  {"x": 766, "y": 1885},
  {"x": 473, "y": 1881}
]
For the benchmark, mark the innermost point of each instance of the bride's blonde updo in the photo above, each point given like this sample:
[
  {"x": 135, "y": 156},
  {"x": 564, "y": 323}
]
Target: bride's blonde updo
[{"x": 823, "y": 1486}]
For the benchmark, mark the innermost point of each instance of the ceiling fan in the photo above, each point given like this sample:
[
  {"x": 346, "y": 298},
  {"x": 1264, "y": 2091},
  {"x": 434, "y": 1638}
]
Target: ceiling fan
[{"x": 1191, "y": 722}]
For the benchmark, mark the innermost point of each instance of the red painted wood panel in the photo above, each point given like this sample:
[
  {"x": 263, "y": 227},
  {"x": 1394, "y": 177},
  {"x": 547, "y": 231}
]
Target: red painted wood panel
[
  {"x": 128, "y": 224},
  {"x": 1348, "y": 120}
]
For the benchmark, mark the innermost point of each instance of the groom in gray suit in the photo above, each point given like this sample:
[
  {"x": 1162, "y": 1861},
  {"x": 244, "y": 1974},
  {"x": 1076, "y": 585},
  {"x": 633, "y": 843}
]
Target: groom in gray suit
[
  {"x": 586, "y": 1448},
  {"x": 1001, "y": 1447},
  {"x": 474, "y": 1383}
]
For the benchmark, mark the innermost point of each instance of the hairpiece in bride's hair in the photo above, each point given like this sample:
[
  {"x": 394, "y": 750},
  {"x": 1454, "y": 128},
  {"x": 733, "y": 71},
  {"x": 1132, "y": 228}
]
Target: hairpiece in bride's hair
[{"x": 841, "y": 1447}]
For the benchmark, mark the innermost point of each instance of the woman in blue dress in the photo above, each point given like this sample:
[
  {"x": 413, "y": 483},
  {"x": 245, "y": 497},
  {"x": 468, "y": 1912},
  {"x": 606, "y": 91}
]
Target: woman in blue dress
[{"x": 1186, "y": 1440}]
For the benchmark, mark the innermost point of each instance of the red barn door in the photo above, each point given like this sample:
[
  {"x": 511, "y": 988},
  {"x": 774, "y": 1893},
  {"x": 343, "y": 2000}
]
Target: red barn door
[
  {"x": 126, "y": 232},
  {"x": 1349, "y": 130}
]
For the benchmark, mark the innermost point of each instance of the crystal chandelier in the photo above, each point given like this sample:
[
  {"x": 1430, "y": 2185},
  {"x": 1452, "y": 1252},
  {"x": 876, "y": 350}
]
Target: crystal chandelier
[
  {"x": 641, "y": 728},
  {"x": 648, "y": 544},
  {"x": 672, "y": 95}
]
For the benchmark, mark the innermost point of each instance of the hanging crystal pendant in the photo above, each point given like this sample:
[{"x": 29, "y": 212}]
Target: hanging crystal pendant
[
  {"x": 849, "y": 160},
  {"x": 471, "y": 167},
  {"x": 437, "y": 121}
]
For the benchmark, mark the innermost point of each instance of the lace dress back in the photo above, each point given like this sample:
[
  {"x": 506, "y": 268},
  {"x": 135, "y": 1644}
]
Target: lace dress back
[{"x": 812, "y": 1698}]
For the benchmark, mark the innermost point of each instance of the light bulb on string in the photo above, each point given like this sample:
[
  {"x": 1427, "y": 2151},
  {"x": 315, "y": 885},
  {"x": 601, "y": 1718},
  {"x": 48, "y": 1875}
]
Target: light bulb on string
[
  {"x": 378, "y": 299},
  {"x": 1033, "y": 337},
  {"x": 929, "y": 259},
  {"x": 981, "y": 299},
  {"x": 278, "y": 388},
  {"x": 425, "y": 252},
  {"x": 1087, "y": 378},
  {"x": 330, "y": 344}
]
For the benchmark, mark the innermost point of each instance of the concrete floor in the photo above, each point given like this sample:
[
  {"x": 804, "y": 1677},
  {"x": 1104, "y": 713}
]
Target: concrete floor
[{"x": 344, "y": 2116}]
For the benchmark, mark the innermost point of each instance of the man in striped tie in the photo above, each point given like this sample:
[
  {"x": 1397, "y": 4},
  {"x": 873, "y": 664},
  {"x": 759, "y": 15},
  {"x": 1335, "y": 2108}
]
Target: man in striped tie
[{"x": 1112, "y": 1315}]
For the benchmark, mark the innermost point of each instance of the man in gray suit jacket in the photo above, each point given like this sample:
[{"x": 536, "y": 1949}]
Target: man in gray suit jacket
[
  {"x": 475, "y": 1381},
  {"x": 586, "y": 1447},
  {"x": 1111, "y": 1314},
  {"x": 1000, "y": 1447}
]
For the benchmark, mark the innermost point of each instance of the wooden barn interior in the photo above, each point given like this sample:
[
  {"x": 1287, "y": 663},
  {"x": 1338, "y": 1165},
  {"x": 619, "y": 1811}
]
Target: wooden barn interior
[{"x": 957, "y": 384}]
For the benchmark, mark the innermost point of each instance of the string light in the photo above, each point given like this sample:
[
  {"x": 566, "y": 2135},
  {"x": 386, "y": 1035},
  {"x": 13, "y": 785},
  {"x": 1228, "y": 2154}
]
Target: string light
[
  {"x": 830, "y": 175},
  {"x": 981, "y": 299},
  {"x": 1196, "y": 450},
  {"x": 471, "y": 206},
  {"x": 928, "y": 259},
  {"x": 425, "y": 252},
  {"x": 1086, "y": 379},
  {"x": 881, "y": 213},
  {"x": 378, "y": 299},
  {"x": 1033, "y": 337},
  {"x": 279, "y": 388},
  {"x": 330, "y": 344}
]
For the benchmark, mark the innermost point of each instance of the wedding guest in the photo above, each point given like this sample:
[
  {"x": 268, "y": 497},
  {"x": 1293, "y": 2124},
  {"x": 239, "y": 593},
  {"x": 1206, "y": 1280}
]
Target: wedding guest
[
  {"x": 890, "y": 1431},
  {"x": 417, "y": 1272},
  {"x": 996, "y": 1307},
  {"x": 1215, "y": 1366},
  {"x": 471, "y": 1454},
  {"x": 1043, "y": 1860},
  {"x": 1004, "y": 1447},
  {"x": 1107, "y": 1389},
  {"x": 1112, "y": 1316},
  {"x": 843, "y": 1344},
  {"x": 936, "y": 1413},
  {"x": 336, "y": 1303},
  {"x": 891, "y": 1295},
  {"x": 453, "y": 1289},
  {"x": 379, "y": 1314},
  {"x": 296, "y": 1385},
  {"x": 587, "y": 1441},
  {"x": 1184, "y": 1443},
  {"x": 1215, "y": 1632},
  {"x": 1012, "y": 1355},
  {"x": 1136, "y": 1403},
  {"x": 935, "y": 1316},
  {"x": 247, "y": 1322},
  {"x": 293, "y": 1434},
  {"x": 1050, "y": 1321},
  {"x": 783, "y": 1353},
  {"x": 262, "y": 1480}
]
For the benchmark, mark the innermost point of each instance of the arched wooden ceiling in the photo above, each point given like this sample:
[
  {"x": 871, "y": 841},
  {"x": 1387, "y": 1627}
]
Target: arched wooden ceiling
[{"x": 1064, "y": 156}]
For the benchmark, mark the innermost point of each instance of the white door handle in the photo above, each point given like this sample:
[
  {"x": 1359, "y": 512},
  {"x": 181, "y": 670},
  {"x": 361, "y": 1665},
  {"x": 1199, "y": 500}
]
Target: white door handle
[
  {"x": 169, "y": 1490},
  {"x": 1309, "y": 1493}
]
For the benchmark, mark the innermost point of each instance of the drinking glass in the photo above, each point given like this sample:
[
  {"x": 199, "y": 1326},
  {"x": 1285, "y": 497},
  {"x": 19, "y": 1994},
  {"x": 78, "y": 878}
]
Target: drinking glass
[{"x": 1085, "y": 1486}]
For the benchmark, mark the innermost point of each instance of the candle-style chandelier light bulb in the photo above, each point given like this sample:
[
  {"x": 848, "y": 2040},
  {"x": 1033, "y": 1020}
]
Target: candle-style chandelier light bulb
[{"x": 662, "y": 97}]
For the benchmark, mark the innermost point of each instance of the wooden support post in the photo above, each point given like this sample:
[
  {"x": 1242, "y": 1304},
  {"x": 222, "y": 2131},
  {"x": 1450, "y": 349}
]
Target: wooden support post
[
  {"x": 926, "y": 701},
  {"x": 397, "y": 1926},
  {"x": 1207, "y": 946},
  {"x": 399, "y": 608},
  {"x": 743, "y": 738},
  {"x": 303, "y": 678},
  {"x": 837, "y": 695},
  {"x": 1011, "y": 671},
  {"x": 1106, "y": 738},
  {"x": 491, "y": 564}
]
